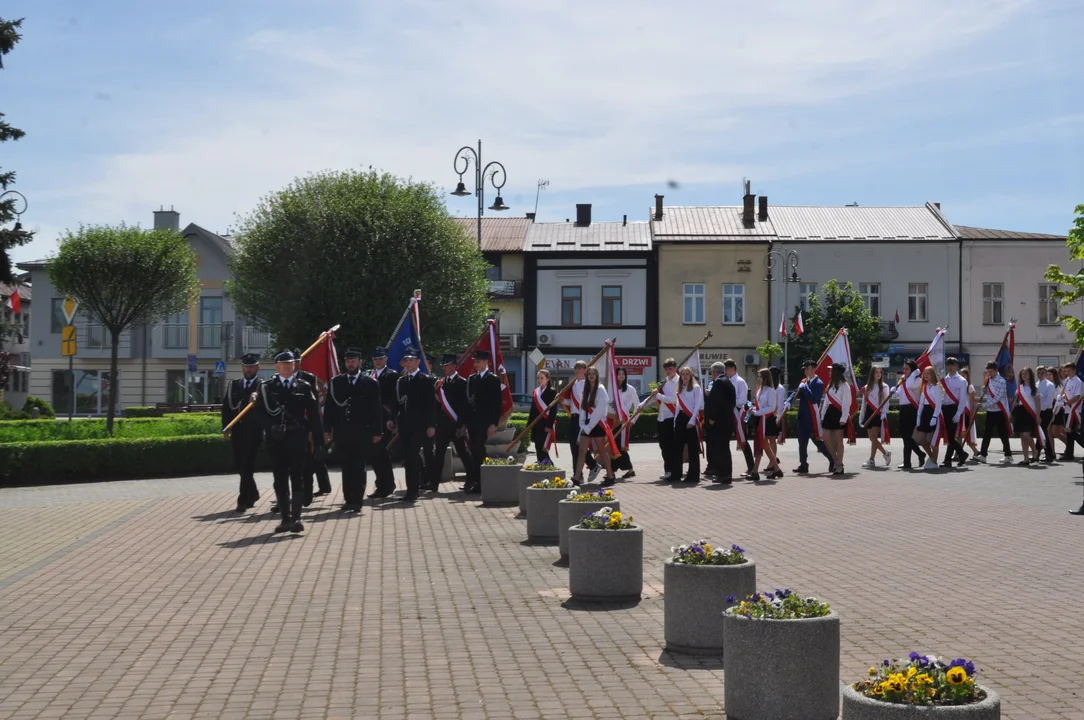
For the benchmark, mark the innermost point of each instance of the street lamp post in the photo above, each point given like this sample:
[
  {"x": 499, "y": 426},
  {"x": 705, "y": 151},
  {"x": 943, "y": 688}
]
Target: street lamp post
[
  {"x": 18, "y": 213},
  {"x": 466, "y": 156},
  {"x": 788, "y": 261}
]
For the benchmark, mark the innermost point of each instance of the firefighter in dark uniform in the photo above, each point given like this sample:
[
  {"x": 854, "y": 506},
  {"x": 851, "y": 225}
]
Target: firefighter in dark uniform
[
  {"x": 430, "y": 442},
  {"x": 316, "y": 466},
  {"x": 246, "y": 435},
  {"x": 453, "y": 412},
  {"x": 354, "y": 419},
  {"x": 387, "y": 378},
  {"x": 287, "y": 409},
  {"x": 415, "y": 422},
  {"x": 484, "y": 396}
]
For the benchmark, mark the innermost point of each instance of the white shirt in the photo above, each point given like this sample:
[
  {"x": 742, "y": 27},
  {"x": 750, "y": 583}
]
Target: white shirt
[
  {"x": 378, "y": 371},
  {"x": 842, "y": 394},
  {"x": 875, "y": 398},
  {"x": 780, "y": 400},
  {"x": 576, "y": 392},
  {"x": 694, "y": 401},
  {"x": 912, "y": 385},
  {"x": 932, "y": 396},
  {"x": 667, "y": 394},
  {"x": 995, "y": 393},
  {"x": 766, "y": 399},
  {"x": 629, "y": 399},
  {"x": 598, "y": 412},
  {"x": 1071, "y": 389},
  {"x": 957, "y": 385},
  {"x": 741, "y": 390},
  {"x": 1047, "y": 392},
  {"x": 1023, "y": 394}
]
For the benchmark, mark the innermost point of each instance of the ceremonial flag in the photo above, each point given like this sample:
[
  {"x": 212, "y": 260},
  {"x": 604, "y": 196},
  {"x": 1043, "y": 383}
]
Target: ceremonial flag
[
  {"x": 934, "y": 356},
  {"x": 489, "y": 342},
  {"x": 897, "y": 316},
  {"x": 1005, "y": 357},
  {"x": 783, "y": 325},
  {"x": 322, "y": 361},
  {"x": 839, "y": 351},
  {"x": 1080, "y": 365},
  {"x": 15, "y": 302},
  {"x": 407, "y": 334},
  {"x": 799, "y": 326}
]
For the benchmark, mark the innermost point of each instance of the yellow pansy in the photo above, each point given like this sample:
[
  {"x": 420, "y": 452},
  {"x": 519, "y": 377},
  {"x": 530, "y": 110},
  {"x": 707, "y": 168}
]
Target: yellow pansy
[{"x": 956, "y": 676}]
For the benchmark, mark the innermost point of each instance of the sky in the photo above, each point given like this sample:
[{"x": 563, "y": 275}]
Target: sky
[{"x": 207, "y": 106}]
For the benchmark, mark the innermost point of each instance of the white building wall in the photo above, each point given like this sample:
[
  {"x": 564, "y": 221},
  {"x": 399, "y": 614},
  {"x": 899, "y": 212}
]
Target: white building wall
[{"x": 554, "y": 274}]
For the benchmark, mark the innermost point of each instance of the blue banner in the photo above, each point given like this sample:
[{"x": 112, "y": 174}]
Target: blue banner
[
  {"x": 407, "y": 337},
  {"x": 1005, "y": 358}
]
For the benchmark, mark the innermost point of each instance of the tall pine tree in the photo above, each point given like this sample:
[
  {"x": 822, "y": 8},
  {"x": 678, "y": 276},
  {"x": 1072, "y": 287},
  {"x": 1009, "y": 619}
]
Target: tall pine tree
[{"x": 14, "y": 236}]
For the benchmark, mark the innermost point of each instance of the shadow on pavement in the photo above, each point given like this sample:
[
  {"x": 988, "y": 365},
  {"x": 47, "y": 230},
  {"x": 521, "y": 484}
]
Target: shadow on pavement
[
  {"x": 690, "y": 662},
  {"x": 577, "y": 605},
  {"x": 271, "y": 537}
]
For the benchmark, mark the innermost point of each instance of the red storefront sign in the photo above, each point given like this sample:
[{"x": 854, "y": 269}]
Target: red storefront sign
[{"x": 634, "y": 364}]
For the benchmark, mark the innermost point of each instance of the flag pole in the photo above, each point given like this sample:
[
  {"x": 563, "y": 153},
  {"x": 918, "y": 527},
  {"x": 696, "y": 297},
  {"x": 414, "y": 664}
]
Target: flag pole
[
  {"x": 399, "y": 326},
  {"x": 323, "y": 336},
  {"x": 560, "y": 396}
]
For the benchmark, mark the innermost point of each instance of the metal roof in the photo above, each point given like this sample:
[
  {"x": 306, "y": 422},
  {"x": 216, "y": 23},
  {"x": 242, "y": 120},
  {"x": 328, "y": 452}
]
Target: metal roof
[
  {"x": 712, "y": 224},
  {"x": 598, "y": 236},
  {"x": 25, "y": 293},
  {"x": 974, "y": 233},
  {"x": 498, "y": 234},
  {"x": 859, "y": 223}
]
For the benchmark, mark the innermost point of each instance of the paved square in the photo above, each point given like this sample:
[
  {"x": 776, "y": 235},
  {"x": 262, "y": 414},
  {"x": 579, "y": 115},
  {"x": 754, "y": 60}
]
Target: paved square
[{"x": 151, "y": 599}]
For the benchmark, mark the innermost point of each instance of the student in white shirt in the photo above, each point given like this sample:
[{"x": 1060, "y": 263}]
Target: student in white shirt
[
  {"x": 767, "y": 430},
  {"x": 927, "y": 433},
  {"x": 1057, "y": 423},
  {"x": 1048, "y": 393},
  {"x": 971, "y": 433},
  {"x": 780, "y": 404},
  {"x": 690, "y": 400},
  {"x": 1071, "y": 392},
  {"x": 874, "y": 395},
  {"x": 907, "y": 393},
  {"x": 835, "y": 413},
  {"x": 572, "y": 403},
  {"x": 996, "y": 401},
  {"x": 592, "y": 426},
  {"x": 629, "y": 399},
  {"x": 741, "y": 399},
  {"x": 1025, "y": 415},
  {"x": 666, "y": 398},
  {"x": 954, "y": 388}
]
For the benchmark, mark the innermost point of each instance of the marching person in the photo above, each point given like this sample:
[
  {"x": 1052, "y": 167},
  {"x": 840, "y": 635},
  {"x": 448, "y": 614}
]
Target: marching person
[
  {"x": 415, "y": 422},
  {"x": 452, "y": 417},
  {"x": 387, "y": 378},
  {"x": 763, "y": 408},
  {"x": 429, "y": 444},
  {"x": 484, "y": 396},
  {"x": 246, "y": 436},
  {"x": 316, "y": 465},
  {"x": 690, "y": 401},
  {"x": 908, "y": 387},
  {"x": 929, "y": 427},
  {"x": 1048, "y": 393},
  {"x": 874, "y": 416},
  {"x": 971, "y": 433},
  {"x": 954, "y": 386},
  {"x": 666, "y": 397},
  {"x": 353, "y": 419},
  {"x": 628, "y": 397},
  {"x": 572, "y": 402},
  {"x": 544, "y": 433},
  {"x": 287, "y": 408},
  {"x": 995, "y": 399},
  {"x": 1071, "y": 394},
  {"x": 810, "y": 394},
  {"x": 1026, "y": 416},
  {"x": 591, "y": 425},
  {"x": 835, "y": 414},
  {"x": 719, "y": 406},
  {"x": 741, "y": 399},
  {"x": 780, "y": 403}
]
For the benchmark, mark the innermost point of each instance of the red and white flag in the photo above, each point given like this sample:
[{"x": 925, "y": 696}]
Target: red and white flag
[
  {"x": 783, "y": 325},
  {"x": 897, "y": 316},
  {"x": 839, "y": 351},
  {"x": 323, "y": 361},
  {"x": 14, "y": 301},
  {"x": 934, "y": 356},
  {"x": 489, "y": 342},
  {"x": 799, "y": 327}
]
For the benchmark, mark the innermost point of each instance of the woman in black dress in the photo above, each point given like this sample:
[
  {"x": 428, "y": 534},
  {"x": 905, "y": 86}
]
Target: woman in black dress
[
  {"x": 835, "y": 414},
  {"x": 540, "y": 400},
  {"x": 592, "y": 419},
  {"x": 1025, "y": 415}
]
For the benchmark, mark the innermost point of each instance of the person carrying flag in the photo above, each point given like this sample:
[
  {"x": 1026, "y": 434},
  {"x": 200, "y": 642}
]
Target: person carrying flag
[
  {"x": 544, "y": 434},
  {"x": 1072, "y": 387},
  {"x": 387, "y": 378},
  {"x": 810, "y": 393},
  {"x": 690, "y": 402},
  {"x": 316, "y": 464},
  {"x": 591, "y": 425},
  {"x": 247, "y": 435},
  {"x": 453, "y": 413},
  {"x": 353, "y": 418},
  {"x": 629, "y": 399},
  {"x": 415, "y": 421},
  {"x": 484, "y": 396},
  {"x": 995, "y": 401},
  {"x": 952, "y": 409}
]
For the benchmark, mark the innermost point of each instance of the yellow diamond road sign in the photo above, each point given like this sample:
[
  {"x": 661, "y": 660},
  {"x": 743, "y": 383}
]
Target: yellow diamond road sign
[{"x": 69, "y": 306}]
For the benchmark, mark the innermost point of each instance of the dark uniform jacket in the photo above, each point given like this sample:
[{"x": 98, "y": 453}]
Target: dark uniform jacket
[
  {"x": 455, "y": 392},
  {"x": 234, "y": 401},
  {"x": 720, "y": 401},
  {"x": 548, "y": 396},
  {"x": 353, "y": 406},
  {"x": 484, "y": 394},
  {"x": 389, "y": 398},
  {"x": 417, "y": 403},
  {"x": 281, "y": 408}
]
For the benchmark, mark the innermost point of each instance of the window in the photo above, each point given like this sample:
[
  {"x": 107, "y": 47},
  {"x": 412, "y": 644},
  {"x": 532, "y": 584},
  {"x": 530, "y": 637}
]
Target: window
[
  {"x": 175, "y": 331},
  {"x": 993, "y": 303},
  {"x": 1051, "y": 361},
  {"x": 87, "y": 395},
  {"x": 871, "y": 296},
  {"x": 733, "y": 304},
  {"x": 694, "y": 304},
  {"x": 57, "y": 320},
  {"x": 571, "y": 306},
  {"x": 493, "y": 272},
  {"x": 916, "y": 301},
  {"x": 1048, "y": 307},
  {"x": 611, "y": 305},
  {"x": 804, "y": 291},
  {"x": 210, "y": 322}
]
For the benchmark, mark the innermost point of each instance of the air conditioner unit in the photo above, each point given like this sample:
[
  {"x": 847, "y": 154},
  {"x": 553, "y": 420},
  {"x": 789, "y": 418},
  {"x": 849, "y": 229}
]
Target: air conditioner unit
[
  {"x": 752, "y": 359},
  {"x": 545, "y": 339}
]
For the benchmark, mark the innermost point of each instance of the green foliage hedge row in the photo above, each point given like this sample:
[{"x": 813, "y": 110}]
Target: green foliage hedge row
[{"x": 168, "y": 426}]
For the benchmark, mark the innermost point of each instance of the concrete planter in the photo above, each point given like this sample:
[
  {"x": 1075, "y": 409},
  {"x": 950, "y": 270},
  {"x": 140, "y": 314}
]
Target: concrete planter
[
  {"x": 857, "y": 706},
  {"x": 500, "y": 484},
  {"x": 781, "y": 669},
  {"x": 569, "y": 514},
  {"x": 528, "y": 478},
  {"x": 542, "y": 525},
  {"x": 694, "y": 598},
  {"x": 605, "y": 565}
]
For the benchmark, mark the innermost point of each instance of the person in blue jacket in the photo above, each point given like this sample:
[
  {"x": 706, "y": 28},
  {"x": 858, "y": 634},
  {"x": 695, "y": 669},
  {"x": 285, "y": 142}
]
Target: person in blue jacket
[{"x": 808, "y": 397}]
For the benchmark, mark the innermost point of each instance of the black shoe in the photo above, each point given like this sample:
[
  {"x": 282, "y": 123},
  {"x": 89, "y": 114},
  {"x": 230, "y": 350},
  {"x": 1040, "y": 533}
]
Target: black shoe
[
  {"x": 947, "y": 465},
  {"x": 921, "y": 459},
  {"x": 351, "y": 507},
  {"x": 1065, "y": 457},
  {"x": 241, "y": 507},
  {"x": 801, "y": 469},
  {"x": 297, "y": 527},
  {"x": 283, "y": 526},
  {"x": 472, "y": 489},
  {"x": 905, "y": 466},
  {"x": 379, "y": 494},
  {"x": 274, "y": 509},
  {"x": 608, "y": 482},
  {"x": 831, "y": 468},
  {"x": 410, "y": 497},
  {"x": 776, "y": 474},
  {"x": 722, "y": 480},
  {"x": 691, "y": 481},
  {"x": 321, "y": 493},
  {"x": 629, "y": 474},
  {"x": 962, "y": 458},
  {"x": 754, "y": 477}
]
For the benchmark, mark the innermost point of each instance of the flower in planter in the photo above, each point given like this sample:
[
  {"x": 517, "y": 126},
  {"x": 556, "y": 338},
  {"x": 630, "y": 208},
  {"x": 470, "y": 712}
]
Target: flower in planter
[
  {"x": 922, "y": 680},
  {"x": 778, "y": 605},
  {"x": 600, "y": 496},
  {"x": 557, "y": 483},
  {"x": 702, "y": 552},
  {"x": 510, "y": 460},
  {"x": 606, "y": 519},
  {"x": 544, "y": 466}
]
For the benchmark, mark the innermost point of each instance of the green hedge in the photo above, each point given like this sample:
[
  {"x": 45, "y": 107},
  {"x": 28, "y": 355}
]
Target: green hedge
[{"x": 168, "y": 426}]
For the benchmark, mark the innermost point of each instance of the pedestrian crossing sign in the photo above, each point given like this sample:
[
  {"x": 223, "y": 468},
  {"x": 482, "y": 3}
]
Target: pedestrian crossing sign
[{"x": 220, "y": 367}]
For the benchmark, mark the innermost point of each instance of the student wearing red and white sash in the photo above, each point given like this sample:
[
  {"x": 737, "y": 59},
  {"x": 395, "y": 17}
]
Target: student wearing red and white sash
[
  {"x": 930, "y": 422},
  {"x": 453, "y": 409},
  {"x": 780, "y": 403},
  {"x": 1048, "y": 393},
  {"x": 970, "y": 433},
  {"x": 544, "y": 434},
  {"x": 628, "y": 397},
  {"x": 667, "y": 400},
  {"x": 1071, "y": 391},
  {"x": 572, "y": 402},
  {"x": 835, "y": 414},
  {"x": 767, "y": 430},
  {"x": 591, "y": 426},
  {"x": 996, "y": 401},
  {"x": 874, "y": 395},
  {"x": 741, "y": 400},
  {"x": 908, "y": 387},
  {"x": 690, "y": 402},
  {"x": 952, "y": 411},
  {"x": 1025, "y": 416}
]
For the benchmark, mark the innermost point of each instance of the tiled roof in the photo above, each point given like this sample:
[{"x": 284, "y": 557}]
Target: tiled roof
[
  {"x": 25, "y": 292},
  {"x": 974, "y": 233},
  {"x": 599, "y": 236},
  {"x": 498, "y": 234},
  {"x": 859, "y": 223},
  {"x": 714, "y": 224}
]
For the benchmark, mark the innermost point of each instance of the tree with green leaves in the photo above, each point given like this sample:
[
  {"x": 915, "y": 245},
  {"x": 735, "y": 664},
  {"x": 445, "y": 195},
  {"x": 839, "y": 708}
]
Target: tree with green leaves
[
  {"x": 15, "y": 236},
  {"x": 1071, "y": 286},
  {"x": 125, "y": 276},
  {"x": 830, "y": 309},
  {"x": 769, "y": 351},
  {"x": 350, "y": 248}
]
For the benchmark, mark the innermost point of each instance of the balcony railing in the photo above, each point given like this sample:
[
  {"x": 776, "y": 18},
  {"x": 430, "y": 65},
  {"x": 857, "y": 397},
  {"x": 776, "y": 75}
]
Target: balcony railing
[
  {"x": 506, "y": 289},
  {"x": 96, "y": 337},
  {"x": 256, "y": 339},
  {"x": 209, "y": 335},
  {"x": 175, "y": 335}
]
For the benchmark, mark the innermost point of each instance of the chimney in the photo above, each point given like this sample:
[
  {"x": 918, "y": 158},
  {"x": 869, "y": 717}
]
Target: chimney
[
  {"x": 624, "y": 220},
  {"x": 937, "y": 205},
  {"x": 658, "y": 207},
  {"x": 583, "y": 214},
  {"x": 167, "y": 219},
  {"x": 762, "y": 215},
  {"x": 530, "y": 216},
  {"x": 747, "y": 219}
]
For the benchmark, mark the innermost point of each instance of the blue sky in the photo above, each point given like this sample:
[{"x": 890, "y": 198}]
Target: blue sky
[{"x": 207, "y": 106}]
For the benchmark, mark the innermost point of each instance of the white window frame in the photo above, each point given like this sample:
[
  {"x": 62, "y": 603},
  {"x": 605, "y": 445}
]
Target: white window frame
[
  {"x": 805, "y": 290},
  {"x": 920, "y": 294},
  {"x": 1048, "y": 306},
  {"x": 990, "y": 301},
  {"x": 734, "y": 292},
  {"x": 869, "y": 295},
  {"x": 690, "y": 291}
]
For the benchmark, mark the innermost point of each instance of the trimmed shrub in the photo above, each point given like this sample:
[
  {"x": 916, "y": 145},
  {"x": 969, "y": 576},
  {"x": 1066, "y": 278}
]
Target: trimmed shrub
[
  {"x": 90, "y": 429},
  {"x": 136, "y": 411},
  {"x": 43, "y": 407}
]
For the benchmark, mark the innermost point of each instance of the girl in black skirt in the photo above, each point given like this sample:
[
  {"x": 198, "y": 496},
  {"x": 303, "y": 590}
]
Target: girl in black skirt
[
  {"x": 1025, "y": 413},
  {"x": 931, "y": 397},
  {"x": 1057, "y": 424},
  {"x": 625, "y": 395},
  {"x": 592, "y": 430},
  {"x": 767, "y": 431},
  {"x": 540, "y": 400},
  {"x": 835, "y": 414},
  {"x": 874, "y": 416}
]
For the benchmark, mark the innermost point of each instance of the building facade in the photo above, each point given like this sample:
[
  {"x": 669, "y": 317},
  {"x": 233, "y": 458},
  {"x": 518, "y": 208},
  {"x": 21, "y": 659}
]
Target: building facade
[{"x": 16, "y": 340}]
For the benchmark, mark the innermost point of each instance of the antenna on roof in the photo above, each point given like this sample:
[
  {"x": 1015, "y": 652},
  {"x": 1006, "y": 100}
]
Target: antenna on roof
[{"x": 854, "y": 204}]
